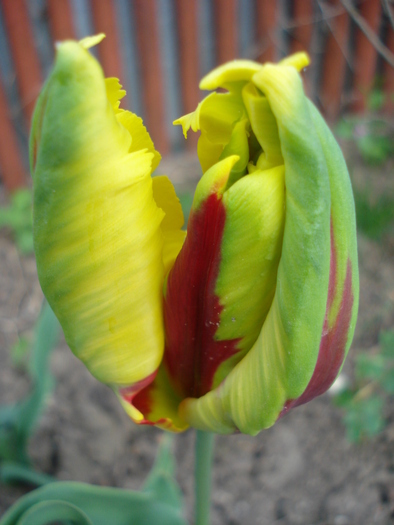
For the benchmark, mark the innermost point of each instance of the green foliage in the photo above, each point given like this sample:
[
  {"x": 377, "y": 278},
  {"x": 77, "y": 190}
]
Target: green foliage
[
  {"x": 372, "y": 133},
  {"x": 373, "y": 219},
  {"x": 18, "y": 217},
  {"x": 364, "y": 418},
  {"x": 18, "y": 421},
  {"x": 20, "y": 351},
  {"x": 364, "y": 404},
  {"x": 83, "y": 504}
]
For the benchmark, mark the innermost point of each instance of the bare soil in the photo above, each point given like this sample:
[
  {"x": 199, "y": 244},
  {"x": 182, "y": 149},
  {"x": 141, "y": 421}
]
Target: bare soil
[{"x": 302, "y": 471}]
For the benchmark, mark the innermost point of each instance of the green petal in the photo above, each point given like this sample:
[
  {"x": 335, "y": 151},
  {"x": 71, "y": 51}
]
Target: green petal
[
  {"x": 343, "y": 220},
  {"x": 251, "y": 249}
]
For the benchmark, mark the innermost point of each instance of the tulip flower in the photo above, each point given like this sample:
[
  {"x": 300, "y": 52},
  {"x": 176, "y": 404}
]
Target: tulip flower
[{"x": 249, "y": 315}]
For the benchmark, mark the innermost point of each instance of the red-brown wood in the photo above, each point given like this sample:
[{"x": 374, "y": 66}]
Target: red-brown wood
[
  {"x": 12, "y": 171},
  {"x": 146, "y": 24},
  {"x": 334, "y": 65},
  {"x": 388, "y": 74},
  {"x": 226, "y": 30},
  {"x": 24, "y": 54},
  {"x": 366, "y": 55},
  {"x": 266, "y": 20},
  {"x": 60, "y": 20},
  {"x": 303, "y": 25},
  {"x": 187, "y": 27},
  {"x": 104, "y": 21}
]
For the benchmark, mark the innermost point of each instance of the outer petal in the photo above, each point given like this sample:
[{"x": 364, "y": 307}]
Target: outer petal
[
  {"x": 97, "y": 227},
  {"x": 343, "y": 292},
  {"x": 281, "y": 362}
]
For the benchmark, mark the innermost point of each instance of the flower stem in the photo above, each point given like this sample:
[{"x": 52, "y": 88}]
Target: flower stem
[{"x": 202, "y": 476}]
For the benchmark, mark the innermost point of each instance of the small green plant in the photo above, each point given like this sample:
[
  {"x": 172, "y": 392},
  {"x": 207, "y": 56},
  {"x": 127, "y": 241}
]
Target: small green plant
[
  {"x": 373, "y": 218},
  {"x": 18, "y": 421},
  {"x": 371, "y": 132},
  {"x": 364, "y": 403},
  {"x": 18, "y": 218}
]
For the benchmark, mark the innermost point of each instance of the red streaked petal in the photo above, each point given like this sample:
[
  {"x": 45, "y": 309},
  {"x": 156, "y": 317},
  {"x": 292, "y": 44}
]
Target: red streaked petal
[
  {"x": 191, "y": 308},
  {"x": 334, "y": 338},
  {"x": 155, "y": 404}
]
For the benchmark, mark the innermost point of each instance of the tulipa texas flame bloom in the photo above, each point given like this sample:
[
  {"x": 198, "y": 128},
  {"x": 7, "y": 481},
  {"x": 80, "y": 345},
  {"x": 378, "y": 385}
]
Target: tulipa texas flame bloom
[{"x": 254, "y": 311}]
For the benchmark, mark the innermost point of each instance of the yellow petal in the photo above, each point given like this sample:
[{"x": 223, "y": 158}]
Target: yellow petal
[
  {"x": 165, "y": 197},
  {"x": 298, "y": 60},
  {"x": 115, "y": 93},
  {"x": 140, "y": 138},
  {"x": 97, "y": 230},
  {"x": 91, "y": 41},
  {"x": 231, "y": 72}
]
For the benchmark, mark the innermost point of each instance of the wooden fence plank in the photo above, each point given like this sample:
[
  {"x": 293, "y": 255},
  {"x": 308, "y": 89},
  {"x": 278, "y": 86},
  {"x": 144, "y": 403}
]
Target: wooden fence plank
[
  {"x": 388, "y": 74},
  {"x": 104, "y": 20},
  {"x": 334, "y": 62},
  {"x": 146, "y": 24},
  {"x": 366, "y": 55},
  {"x": 12, "y": 171},
  {"x": 226, "y": 29},
  {"x": 301, "y": 35},
  {"x": 187, "y": 27},
  {"x": 61, "y": 20},
  {"x": 266, "y": 20},
  {"x": 24, "y": 54}
]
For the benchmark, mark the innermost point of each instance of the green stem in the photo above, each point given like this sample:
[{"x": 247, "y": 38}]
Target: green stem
[{"x": 202, "y": 476}]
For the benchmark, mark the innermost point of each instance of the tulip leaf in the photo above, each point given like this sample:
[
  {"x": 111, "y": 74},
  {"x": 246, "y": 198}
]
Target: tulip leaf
[
  {"x": 18, "y": 421},
  {"x": 12, "y": 472},
  {"x": 99, "y": 505},
  {"x": 82, "y": 504},
  {"x": 47, "y": 511}
]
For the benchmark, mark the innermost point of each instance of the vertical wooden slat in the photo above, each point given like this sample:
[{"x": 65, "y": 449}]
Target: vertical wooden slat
[
  {"x": 366, "y": 55},
  {"x": 146, "y": 24},
  {"x": 226, "y": 29},
  {"x": 334, "y": 65},
  {"x": 388, "y": 74},
  {"x": 266, "y": 19},
  {"x": 11, "y": 168},
  {"x": 104, "y": 21},
  {"x": 187, "y": 27},
  {"x": 24, "y": 54},
  {"x": 60, "y": 20},
  {"x": 303, "y": 26}
]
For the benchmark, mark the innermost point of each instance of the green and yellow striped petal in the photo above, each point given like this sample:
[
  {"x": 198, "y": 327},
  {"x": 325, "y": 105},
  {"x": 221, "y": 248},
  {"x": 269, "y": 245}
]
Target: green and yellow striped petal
[{"x": 104, "y": 236}]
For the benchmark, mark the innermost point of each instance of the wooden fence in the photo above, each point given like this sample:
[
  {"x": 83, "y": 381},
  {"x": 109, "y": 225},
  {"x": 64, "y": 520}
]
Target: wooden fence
[{"x": 161, "y": 48}]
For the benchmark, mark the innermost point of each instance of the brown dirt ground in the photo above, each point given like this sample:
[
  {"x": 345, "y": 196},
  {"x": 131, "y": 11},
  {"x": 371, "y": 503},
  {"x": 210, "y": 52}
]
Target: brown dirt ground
[{"x": 302, "y": 471}]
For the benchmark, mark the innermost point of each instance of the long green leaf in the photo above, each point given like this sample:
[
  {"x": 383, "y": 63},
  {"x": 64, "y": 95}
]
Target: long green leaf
[
  {"x": 50, "y": 511},
  {"x": 18, "y": 421},
  {"x": 101, "y": 505}
]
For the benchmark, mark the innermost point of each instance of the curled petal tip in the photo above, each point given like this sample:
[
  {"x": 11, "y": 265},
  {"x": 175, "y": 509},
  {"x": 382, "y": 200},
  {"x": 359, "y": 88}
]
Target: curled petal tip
[{"x": 91, "y": 41}]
